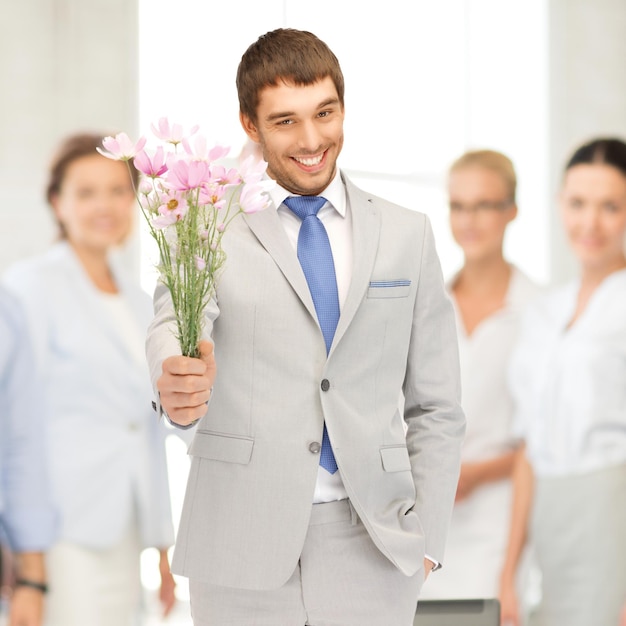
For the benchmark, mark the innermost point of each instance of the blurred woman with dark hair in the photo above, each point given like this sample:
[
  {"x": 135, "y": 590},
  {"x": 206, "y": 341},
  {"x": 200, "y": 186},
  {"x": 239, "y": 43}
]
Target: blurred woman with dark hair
[
  {"x": 568, "y": 379},
  {"x": 105, "y": 444}
]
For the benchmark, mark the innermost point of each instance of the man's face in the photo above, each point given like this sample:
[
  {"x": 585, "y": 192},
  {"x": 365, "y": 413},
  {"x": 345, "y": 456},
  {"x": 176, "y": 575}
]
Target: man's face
[{"x": 300, "y": 129}]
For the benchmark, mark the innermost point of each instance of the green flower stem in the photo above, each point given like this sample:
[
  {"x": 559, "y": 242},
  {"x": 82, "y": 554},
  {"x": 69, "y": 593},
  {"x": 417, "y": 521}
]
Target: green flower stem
[{"x": 182, "y": 253}]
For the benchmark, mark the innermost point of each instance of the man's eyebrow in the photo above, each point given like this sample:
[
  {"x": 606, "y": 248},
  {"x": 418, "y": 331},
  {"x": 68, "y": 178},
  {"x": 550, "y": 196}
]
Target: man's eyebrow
[
  {"x": 328, "y": 102},
  {"x": 281, "y": 114}
]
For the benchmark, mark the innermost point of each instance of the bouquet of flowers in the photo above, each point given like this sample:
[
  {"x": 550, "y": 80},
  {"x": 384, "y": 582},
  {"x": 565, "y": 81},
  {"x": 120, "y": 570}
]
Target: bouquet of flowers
[{"x": 188, "y": 199}]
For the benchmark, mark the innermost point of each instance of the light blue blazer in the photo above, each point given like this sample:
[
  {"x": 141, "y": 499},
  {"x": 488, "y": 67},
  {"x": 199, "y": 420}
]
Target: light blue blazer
[
  {"x": 105, "y": 444},
  {"x": 26, "y": 512}
]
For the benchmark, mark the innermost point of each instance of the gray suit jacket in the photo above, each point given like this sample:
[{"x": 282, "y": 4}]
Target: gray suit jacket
[{"x": 252, "y": 476}]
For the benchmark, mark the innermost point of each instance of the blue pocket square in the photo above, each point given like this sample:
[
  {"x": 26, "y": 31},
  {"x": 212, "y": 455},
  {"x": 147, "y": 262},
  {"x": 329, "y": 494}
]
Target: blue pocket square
[
  {"x": 389, "y": 288},
  {"x": 402, "y": 282}
]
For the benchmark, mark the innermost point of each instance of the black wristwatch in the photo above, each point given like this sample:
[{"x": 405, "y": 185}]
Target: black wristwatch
[{"x": 24, "y": 582}]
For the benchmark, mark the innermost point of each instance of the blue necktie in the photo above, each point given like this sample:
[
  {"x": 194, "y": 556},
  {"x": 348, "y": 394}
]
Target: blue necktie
[{"x": 316, "y": 259}]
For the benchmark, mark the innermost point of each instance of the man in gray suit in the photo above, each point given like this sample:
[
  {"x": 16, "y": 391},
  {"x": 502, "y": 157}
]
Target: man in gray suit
[{"x": 312, "y": 497}]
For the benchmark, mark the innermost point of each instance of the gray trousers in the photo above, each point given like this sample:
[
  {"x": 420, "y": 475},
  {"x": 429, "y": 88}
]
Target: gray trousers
[
  {"x": 342, "y": 579},
  {"x": 579, "y": 536}
]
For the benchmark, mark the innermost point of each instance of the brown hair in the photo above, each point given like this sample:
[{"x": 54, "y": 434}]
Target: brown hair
[
  {"x": 285, "y": 54},
  {"x": 71, "y": 149},
  {"x": 491, "y": 160}
]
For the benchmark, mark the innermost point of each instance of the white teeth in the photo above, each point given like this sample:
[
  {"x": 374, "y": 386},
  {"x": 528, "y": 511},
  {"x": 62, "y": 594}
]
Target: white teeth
[{"x": 310, "y": 161}]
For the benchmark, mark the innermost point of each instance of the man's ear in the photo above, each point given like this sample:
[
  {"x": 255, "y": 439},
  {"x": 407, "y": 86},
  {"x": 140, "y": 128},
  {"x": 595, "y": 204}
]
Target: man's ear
[{"x": 249, "y": 127}]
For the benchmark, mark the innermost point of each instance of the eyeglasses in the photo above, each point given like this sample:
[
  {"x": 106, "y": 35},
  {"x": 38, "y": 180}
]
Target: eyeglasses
[{"x": 484, "y": 206}]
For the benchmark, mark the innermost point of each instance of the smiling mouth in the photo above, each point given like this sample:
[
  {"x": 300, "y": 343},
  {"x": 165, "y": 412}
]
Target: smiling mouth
[
  {"x": 590, "y": 241},
  {"x": 310, "y": 161}
]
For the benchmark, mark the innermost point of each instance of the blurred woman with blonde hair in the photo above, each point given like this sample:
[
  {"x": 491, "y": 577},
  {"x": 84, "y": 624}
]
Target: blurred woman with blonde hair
[{"x": 489, "y": 294}]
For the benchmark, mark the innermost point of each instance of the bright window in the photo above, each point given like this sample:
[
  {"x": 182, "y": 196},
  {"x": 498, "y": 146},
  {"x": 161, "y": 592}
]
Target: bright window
[{"x": 424, "y": 82}]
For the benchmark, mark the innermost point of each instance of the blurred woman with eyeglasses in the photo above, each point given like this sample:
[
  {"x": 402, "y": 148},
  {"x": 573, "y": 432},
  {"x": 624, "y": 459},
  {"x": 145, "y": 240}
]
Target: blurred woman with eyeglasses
[{"x": 489, "y": 294}]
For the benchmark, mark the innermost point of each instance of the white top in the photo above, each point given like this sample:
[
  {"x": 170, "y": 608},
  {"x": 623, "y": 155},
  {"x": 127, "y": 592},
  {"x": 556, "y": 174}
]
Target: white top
[
  {"x": 338, "y": 223},
  {"x": 119, "y": 312},
  {"x": 484, "y": 357},
  {"x": 480, "y": 523},
  {"x": 569, "y": 385}
]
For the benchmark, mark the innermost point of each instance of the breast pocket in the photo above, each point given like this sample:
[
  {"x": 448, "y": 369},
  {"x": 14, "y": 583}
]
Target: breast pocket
[
  {"x": 398, "y": 288},
  {"x": 222, "y": 447}
]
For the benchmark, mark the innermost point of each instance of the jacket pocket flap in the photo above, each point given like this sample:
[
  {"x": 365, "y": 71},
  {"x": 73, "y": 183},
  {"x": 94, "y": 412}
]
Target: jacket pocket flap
[
  {"x": 220, "y": 447},
  {"x": 388, "y": 291},
  {"x": 395, "y": 459}
]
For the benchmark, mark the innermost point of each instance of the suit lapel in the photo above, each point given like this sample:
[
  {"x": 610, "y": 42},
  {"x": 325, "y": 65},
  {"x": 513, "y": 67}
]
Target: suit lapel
[
  {"x": 365, "y": 237},
  {"x": 269, "y": 231},
  {"x": 93, "y": 306}
]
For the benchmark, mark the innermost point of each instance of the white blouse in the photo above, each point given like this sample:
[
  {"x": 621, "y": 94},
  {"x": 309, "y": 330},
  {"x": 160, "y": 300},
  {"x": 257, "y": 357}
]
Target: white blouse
[
  {"x": 480, "y": 523},
  {"x": 118, "y": 310},
  {"x": 484, "y": 357},
  {"x": 569, "y": 384}
]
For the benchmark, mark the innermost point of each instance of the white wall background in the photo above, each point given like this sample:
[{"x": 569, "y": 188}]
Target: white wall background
[
  {"x": 420, "y": 89},
  {"x": 425, "y": 81},
  {"x": 65, "y": 66}
]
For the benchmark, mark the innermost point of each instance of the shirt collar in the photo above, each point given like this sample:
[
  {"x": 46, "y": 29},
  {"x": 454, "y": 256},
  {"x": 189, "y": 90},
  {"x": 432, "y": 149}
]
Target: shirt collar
[{"x": 335, "y": 193}]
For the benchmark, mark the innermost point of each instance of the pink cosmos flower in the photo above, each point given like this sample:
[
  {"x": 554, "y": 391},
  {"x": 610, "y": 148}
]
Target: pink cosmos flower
[
  {"x": 148, "y": 202},
  {"x": 184, "y": 175},
  {"x": 120, "y": 147},
  {"x": 221, "y": 175},
  {"x": 212, "y": 193},
  {"x": 145, "y": 187},
  {"x": 173, "y": 208},
  {"x": 151, "y": 167},
  {"x": 252, "y": 169},
  {"x": 200, "y": 263},
  {"x": 201, "y": 152},
  {"x": 163, "y": 221},
  {"x": 170, "y": 133},
  {"x": 253, "y": 198}
]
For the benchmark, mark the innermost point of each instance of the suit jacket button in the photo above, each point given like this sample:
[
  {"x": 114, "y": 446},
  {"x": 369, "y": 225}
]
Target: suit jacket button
[
  {"x": 325, "y": 384},
  {"x": 315, "y": 447}
]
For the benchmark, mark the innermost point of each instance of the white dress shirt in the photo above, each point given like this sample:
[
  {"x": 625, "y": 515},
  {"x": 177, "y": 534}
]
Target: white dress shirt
[
  {"x": 335, "y": 216},
  {"x": 569, "y": 384}
]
